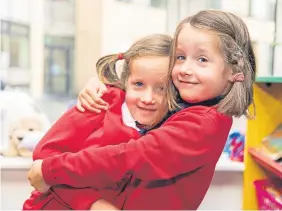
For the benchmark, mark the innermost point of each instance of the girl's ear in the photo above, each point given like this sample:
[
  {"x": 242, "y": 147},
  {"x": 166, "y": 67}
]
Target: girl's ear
[{"x": 229, "y": 73}]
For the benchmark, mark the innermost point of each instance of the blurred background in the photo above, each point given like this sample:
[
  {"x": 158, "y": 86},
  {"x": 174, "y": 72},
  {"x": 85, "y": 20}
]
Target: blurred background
[{"x": 49, "y": 49}]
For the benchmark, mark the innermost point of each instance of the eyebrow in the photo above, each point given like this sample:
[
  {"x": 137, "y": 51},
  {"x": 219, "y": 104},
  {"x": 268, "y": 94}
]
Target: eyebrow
[
  {"x": 179, "y": 49},
  {"x": 203, "y": 49},
  {"x": 136, "y": 78}
]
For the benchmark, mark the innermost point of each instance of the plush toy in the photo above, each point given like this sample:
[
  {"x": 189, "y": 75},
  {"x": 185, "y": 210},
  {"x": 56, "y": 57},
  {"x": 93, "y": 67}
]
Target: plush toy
[
  {"x": 24, "y": 136},
  {"x": 23, "y": 125}
]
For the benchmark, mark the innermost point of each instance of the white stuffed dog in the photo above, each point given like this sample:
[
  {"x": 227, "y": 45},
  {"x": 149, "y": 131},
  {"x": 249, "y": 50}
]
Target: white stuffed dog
[{"x": 23, "y": 125}]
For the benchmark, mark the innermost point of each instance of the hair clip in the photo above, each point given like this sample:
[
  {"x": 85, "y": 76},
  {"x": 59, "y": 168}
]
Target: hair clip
[
  {"x": 238, "y": 77},
  {"x": 120, "y": 56}
]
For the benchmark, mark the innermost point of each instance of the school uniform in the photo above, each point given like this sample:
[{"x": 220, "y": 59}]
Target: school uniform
[
  {"x": 169, "y": 168},
  {"x": 74, "y": 131}
]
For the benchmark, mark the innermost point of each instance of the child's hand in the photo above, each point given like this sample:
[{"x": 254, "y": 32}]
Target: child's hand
[
  {"x": 36, "y": 178},
  {"x": 102, "y": 204},
  {"x": 89, "y": 97}
]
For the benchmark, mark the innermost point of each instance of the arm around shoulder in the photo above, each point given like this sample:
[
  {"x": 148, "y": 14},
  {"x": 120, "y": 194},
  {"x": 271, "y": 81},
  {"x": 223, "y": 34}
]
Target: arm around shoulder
[
  {"x": 186, "y": 141},
  {"x": 73, "y": 127}
]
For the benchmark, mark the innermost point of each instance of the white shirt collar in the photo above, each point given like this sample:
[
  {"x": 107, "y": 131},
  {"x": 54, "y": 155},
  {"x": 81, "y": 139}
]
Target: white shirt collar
[{"x": 127, "y": 118}]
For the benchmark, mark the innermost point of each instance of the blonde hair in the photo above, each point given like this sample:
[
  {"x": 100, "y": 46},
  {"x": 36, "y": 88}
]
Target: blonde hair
[
  {"x": 152, "y": 45},
  {"x": 237, "y": 52}
]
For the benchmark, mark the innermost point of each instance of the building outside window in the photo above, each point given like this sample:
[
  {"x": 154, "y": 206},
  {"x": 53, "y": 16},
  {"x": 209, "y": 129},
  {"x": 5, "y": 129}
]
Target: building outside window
[
  {"x": 15, "y": 52},
  {"x": 15, "y": 44},
  {"x": 58, "y": 65}
]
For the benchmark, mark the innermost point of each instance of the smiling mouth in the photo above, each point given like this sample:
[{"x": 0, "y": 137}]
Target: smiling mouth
[
  {"x": 188, "y": 82},
  {"x": 147, "y": 109}
]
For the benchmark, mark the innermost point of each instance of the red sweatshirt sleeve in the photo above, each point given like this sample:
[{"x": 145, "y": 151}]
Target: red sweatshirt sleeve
[
  {"x": 73, "y": 127},
  {"x": 68, "y": 134},
  {"x": 183, "y": 143}
]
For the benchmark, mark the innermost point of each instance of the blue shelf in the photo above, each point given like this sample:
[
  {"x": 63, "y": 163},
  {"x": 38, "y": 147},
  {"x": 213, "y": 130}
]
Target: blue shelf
[{"x": 269, "y": 79}]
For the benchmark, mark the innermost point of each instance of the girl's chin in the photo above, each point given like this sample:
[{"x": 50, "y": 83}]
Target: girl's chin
[{"x": 189, "y": 99}]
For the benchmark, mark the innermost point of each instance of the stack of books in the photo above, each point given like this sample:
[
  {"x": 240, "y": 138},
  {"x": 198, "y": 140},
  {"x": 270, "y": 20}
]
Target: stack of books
[{"x": 272, "y": 145}]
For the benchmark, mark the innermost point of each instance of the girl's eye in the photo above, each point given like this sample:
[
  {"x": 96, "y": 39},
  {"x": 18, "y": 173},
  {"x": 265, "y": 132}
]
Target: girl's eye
[
  {"x": 180, "y": 58},
  {"x": 138, "y": 84},
  {"x": 202, "y": 59}
]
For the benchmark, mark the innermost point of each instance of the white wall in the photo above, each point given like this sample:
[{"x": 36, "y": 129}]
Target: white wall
[
  {"x": 278, "y": 51},
  {"x": 59, "y": 18},
  {"x": 15, "y": 189},
  {"x": 225, "y": 192},
  {"x": 124, "y": 23},
  {"x": 15, "y": 10}
]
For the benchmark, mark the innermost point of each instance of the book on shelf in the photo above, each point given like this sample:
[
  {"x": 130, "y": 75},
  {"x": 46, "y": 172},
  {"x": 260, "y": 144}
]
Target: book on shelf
[{"x": 272, "y": 144}]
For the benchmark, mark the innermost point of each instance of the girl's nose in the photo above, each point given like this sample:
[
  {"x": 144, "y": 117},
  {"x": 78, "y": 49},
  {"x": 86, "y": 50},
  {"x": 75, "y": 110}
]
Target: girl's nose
[{"x": 147, "y": 98}]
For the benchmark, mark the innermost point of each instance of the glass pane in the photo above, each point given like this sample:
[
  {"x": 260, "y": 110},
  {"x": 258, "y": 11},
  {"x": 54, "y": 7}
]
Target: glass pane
[
  {"x": 56, "y": 80},
  {"x": 263, "y": 9},
  {"x": 238, "y": 7},
  {"x": 190, "y": 7},
  {"x": 158, "y": 3},
  {"x": 59, "y": 41},
  {"x": 5, "y": 27},
  {"x": 17, "y": 29},
  {"x": 59, "y": 60},
  {"x": 5, "y": 51},
  {"x": 59, "y": 84},
  {"x": 47, "y": 81},
  {"x": 19, "y": 52}
]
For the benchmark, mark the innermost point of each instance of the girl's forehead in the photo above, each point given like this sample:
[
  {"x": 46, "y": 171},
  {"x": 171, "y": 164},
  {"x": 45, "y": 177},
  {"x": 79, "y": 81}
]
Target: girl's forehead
[
  {"x": 196, "y": 37},
  {"x": 150, "y": 64}
]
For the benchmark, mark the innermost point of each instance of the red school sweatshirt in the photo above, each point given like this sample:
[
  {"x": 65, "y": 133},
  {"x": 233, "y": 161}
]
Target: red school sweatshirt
[
  {"x": 169, "y": 168},
  {"x": 72, "y": 132}
]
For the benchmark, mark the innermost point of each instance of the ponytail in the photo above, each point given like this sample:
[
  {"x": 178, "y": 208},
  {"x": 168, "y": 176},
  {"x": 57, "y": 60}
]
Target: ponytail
[{"x": 106, "y": 70}]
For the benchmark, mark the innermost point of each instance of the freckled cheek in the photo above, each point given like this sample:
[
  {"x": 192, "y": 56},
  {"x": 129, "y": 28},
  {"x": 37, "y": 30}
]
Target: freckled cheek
[
  {"x": 131, "y": 97},
  {"x": 174, "y": 75},
  {"x": 161, "y": 102},
  {"x": 175, "y": 70}
]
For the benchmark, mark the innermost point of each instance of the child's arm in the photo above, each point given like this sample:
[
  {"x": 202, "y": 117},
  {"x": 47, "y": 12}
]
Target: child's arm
[
  {"x": 185, "y": 142},
  {"x": 68, "y": 134},
  {"x": 89, "y": 97},
  {"x": 73, "y": 127}
]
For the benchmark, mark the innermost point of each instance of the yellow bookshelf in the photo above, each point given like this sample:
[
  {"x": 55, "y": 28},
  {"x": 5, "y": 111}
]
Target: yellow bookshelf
[{"x": 268, "y": 101}]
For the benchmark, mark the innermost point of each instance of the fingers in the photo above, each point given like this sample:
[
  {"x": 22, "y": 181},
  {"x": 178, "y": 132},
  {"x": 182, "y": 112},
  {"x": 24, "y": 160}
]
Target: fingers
[
  {"x": 90, "y": 97},
  {"x": 86, "y": 96},
  {"x": 79, "y": 106},
  {"x": 96, "y": 98},
  {"x": 91, "y": 102},
  {"x": 88, "y": 107}
]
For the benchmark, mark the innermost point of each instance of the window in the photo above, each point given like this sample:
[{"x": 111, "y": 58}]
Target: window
[
  {"x": 14, "y": 45},
  {"x": 158, "y": 3},
  {"x": 58, "y": 70}
]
